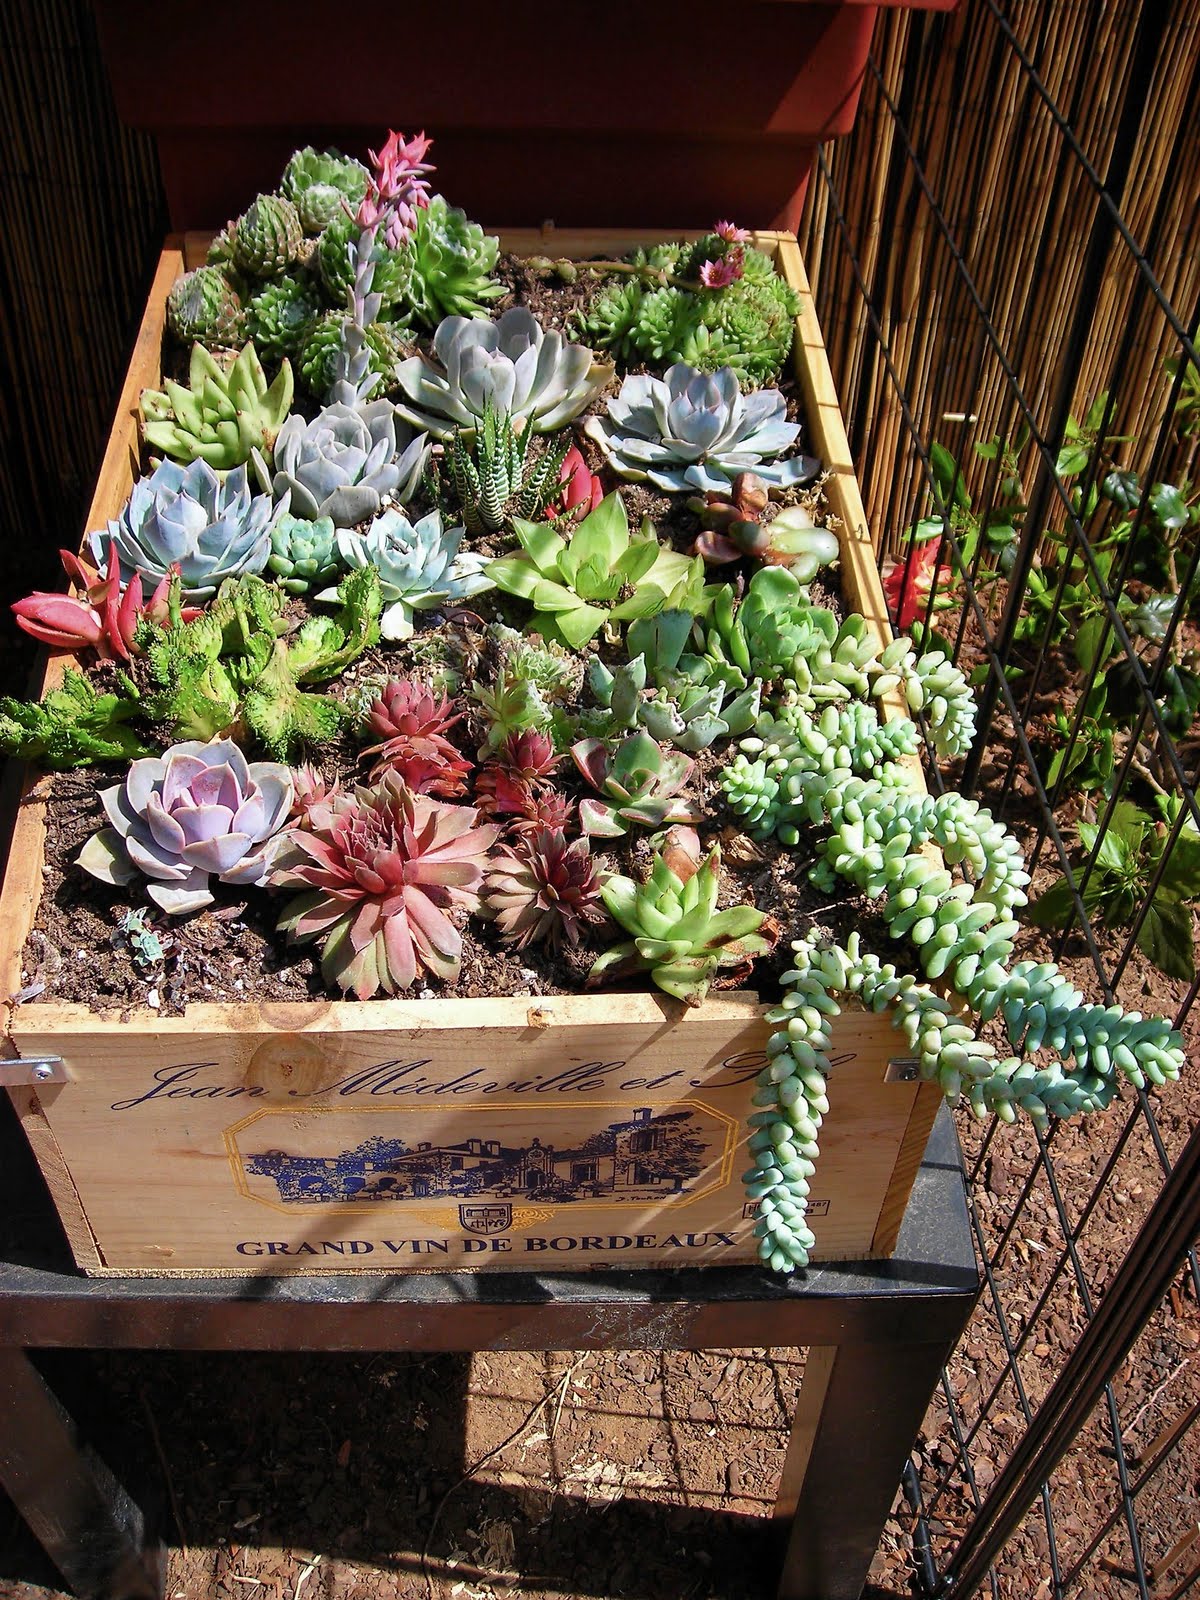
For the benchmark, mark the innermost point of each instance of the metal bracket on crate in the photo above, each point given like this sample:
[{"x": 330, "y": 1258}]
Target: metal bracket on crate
[{"x": 23, "y": 1071}]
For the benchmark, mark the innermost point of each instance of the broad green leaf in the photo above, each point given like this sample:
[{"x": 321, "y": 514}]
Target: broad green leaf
[
  {"x": 604, "y": 533},
  {"x": 514, "y": 575},
  {"x": 578, "y": 626},
  {"x": 1072, "y": 458},
  {"x": 1093, "y": 642},
  {"x": 636, "y": 562},
  {"x": 1169, "y": 506},
  {"x": 1167, "y": 937},
  {"x": 1094, "y": 420},
  {"x": 1181, "y": 876},
  {"x": 541, "y": 544},
  {"x": 554, "y": 597},
  {"x": 1122, "y": 488}
]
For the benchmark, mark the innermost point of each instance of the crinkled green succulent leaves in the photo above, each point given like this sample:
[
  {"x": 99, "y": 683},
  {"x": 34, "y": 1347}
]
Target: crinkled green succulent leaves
[
  {"x": 679, "y": 936},
  {"x": 604, "y": 573}
]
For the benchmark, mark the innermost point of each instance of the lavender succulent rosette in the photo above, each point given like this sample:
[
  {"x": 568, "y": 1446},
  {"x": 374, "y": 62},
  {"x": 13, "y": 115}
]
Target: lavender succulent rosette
[
  {"x": 196, "y": 812},
  {"x": 697, "y": 430}
]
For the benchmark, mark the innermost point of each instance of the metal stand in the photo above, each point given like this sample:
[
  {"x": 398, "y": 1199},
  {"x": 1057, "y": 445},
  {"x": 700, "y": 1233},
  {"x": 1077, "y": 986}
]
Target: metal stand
[{"x": 878, "y": 1334}]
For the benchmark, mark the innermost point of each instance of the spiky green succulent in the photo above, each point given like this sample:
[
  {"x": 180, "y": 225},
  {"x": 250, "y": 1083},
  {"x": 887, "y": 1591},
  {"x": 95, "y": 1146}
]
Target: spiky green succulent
[
  {"x": 266, "y": 238},
  {"x": 447, "y": 266},
  {"x": 222, "y": 415},
  {"x": 323, "y": 341},
  {"x": 678, "y": 935},
  {"x": 204, "y": 307},
  {"x": 337, "y": 273},
  {"x": 748, "y": 325},
  {"x": 604, "y": 574},
  {"x": 280, "y": 315},
  {"x": 321, "y": 184},
  {"x": 304, "y": 553},
  {"x": 494, "y": 475}
]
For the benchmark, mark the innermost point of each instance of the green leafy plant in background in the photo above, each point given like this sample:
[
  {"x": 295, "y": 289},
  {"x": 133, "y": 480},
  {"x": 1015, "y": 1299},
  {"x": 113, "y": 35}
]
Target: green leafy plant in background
[{"x": 1129, "y": 855}]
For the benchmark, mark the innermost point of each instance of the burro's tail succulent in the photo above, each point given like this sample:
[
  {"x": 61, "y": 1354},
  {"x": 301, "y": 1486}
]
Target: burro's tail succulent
[
  {"x": 696, "y": 430},
  {"x": 197, "y": 812},
  {"x": 677, "y": 934},
  {"x": 513, "y": 364},
  {"x": 223, "y": 414}
]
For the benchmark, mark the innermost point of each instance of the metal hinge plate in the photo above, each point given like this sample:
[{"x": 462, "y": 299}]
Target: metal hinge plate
[{"x": 37, "y": 1071}]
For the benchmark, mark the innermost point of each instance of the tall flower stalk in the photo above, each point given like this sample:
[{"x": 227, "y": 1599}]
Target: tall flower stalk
[{"x": 398, "y": 187}]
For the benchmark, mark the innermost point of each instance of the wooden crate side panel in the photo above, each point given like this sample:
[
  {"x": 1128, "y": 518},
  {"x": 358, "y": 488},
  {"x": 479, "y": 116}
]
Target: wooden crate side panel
[{"x": 265, "y": 1151}]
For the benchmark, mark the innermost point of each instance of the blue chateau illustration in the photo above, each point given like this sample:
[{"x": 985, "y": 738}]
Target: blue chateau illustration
[{"x": 648, "y": 1155}]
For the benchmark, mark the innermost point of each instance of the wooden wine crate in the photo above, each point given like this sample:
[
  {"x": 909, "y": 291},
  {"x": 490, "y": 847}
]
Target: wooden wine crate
[{"x": 389, "y": 1136}]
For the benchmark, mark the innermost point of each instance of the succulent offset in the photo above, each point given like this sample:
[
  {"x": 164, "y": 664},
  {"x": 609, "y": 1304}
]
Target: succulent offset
[
  {"x": 540, "y": 888},
  {"x": 211, "y": 527},
  {"x": 304, "y": 552},
  {"x": 639, "y": 783},
  {"x": 380, "y": 870},
  {"x": 198, "y": 812},
  {"x": 280, "y": 316},
  {"x": 223, "y": 415},
  {"x": 524, "y": 372},
  {"x": 347, "y": 461},
  {"x": 321, "y": 183},
  {"x": 696, "y": 430},
  {"x": 419, "y": 564},
  {"x": 411, "y": 724},
  {"x": 323, "y": 344}
]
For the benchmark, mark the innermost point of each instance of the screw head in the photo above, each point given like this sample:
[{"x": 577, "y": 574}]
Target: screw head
[{"x": 43, "y": 1073}]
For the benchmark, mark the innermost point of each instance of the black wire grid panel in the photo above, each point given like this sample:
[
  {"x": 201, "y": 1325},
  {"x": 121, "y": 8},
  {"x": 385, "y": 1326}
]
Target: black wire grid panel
[{"x": 1061, "y": 1459}]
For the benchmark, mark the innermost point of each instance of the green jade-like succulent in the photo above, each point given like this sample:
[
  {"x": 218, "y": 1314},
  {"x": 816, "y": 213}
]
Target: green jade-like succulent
[
  {"x": 604, "y": 574},
  {"x": 222, "y": 416},
  {"x": 678, "y": 935},
  {"x": 446, "y": 266}
]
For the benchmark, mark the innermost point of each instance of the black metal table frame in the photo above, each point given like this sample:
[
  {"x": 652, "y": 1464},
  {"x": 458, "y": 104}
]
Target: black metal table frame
[{"x": 878, "y": 1334}]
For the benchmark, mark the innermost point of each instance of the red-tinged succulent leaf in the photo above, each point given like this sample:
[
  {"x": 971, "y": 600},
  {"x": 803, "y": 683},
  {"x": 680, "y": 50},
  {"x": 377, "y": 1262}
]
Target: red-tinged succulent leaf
[
  {"x": 591, "y": 756},
  {"x": 375, "y": 858}
]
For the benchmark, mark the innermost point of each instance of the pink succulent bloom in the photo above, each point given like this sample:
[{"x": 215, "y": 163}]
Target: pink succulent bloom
[
  {"x": 399, "y": 188},
  {"x": 731, "y": 233},
  {"x": 382, "y": 870},
  {"x": 720, "y": 274},
  {"x": 582, "y": 490}
]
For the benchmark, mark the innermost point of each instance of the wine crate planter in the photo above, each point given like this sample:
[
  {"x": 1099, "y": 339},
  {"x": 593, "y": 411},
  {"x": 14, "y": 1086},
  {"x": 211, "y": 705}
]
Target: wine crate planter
[{"x": 571, "y": 1133}]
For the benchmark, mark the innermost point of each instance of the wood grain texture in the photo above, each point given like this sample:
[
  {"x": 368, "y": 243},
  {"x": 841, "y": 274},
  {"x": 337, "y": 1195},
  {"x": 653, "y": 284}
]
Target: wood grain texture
[{"x": 303, "y": 1072}]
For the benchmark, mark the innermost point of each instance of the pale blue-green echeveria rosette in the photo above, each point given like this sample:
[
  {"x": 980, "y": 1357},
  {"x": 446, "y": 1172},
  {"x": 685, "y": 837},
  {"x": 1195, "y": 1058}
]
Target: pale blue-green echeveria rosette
[
  {"x": 347, "y": 461},
  {"x": 207, "y": 522},
  {"x": 523, "y": 371},
  {"x": 196, "y": 812},
  {"x": 696, "y": 430},
  {"x": 419, "y": 565}
]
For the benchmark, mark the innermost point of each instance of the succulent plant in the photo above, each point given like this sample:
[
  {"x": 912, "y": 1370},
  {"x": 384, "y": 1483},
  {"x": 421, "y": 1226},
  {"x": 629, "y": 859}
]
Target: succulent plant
[
  {"x": 203, "y": 307},
  {"x": 338, "y": 269},
  {"x": 640, "y": 783},
  {"x": 104, "y": 615},
  {"x": 303, "y": 552},
  {"x": 733, "y": 526},
  {"x": 223, "y": 414},
  {"x": 540, "y": 888},
  {"x": 419, "y": 564},
  {"x": 494, "y": 476},
  {"x": 526, "y": 373},
  {"x": 695, "y": 430},
  {"x": 679, "y": 936},
  {"x": 381, "y": 868},
  {"x": 266, "y": 238},
  {"x": 412, "y": 724},
  {"x": 196, "y": 812},
  {"x": 324, "y": 343},
  {"x": 516, "y": 775},
  {"x": 746, "y": 322},
  {"x": 532, "y": 681},
  {"x": 580, "y": 490},
  {"x": 347, "y": 461},
  {"x": 446, "y": 265},
  {"x": 311, "y": 790},
  {"x": 280, "y": 316},
  {"x": 604, "y": 574},
  {"x": 692, "y": 716},
  {"x": 74, "y": 725},
  {"x": 321, "y": 184},
  {"x": 211, "y": 526}
]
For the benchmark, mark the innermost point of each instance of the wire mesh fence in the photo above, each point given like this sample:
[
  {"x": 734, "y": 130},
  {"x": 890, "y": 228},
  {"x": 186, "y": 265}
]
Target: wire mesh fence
[{"x": 1013, "y": 295}]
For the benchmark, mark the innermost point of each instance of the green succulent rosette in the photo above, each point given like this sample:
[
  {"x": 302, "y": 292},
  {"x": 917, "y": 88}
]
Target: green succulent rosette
[
  {"x": 281, "y": 314},
  {"x": 266, "y": 238},
  {"x": 203, "y": 307},
  {"x": 322, "y": 342},
  {"x": 322, "y": 184},
  {"x": 303, "y": 553},
  {"x": 447, "y": 266},
  {"x": 333, "y": 263}
]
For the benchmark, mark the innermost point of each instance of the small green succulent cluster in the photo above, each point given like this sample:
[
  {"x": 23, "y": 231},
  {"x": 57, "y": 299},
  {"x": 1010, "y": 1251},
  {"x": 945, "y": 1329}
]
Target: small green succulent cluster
[
  {"x": 532, "y": 682},
  {"x": 664, "y": 314},
  {"x": 282, "y": 274}
]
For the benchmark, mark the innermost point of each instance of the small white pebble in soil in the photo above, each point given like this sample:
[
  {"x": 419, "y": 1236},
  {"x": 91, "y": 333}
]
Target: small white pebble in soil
[
  {"x": 239, "y": 983},
  {"x": 81, "y": 955},
  {"x": 152, "y": 999}
]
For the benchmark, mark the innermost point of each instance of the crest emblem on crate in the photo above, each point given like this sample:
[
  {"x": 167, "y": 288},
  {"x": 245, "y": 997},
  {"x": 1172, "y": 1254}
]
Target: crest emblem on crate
[{"x": 486, "y": 1218}]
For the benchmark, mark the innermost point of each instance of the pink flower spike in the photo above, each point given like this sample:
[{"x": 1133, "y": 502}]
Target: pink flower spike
[{"x": 731, "y": 233}]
